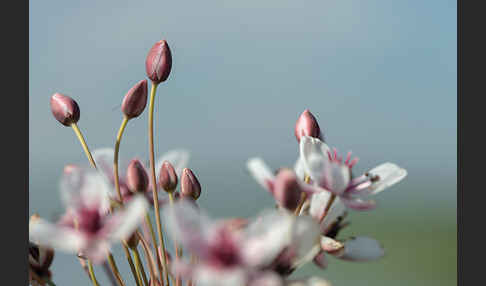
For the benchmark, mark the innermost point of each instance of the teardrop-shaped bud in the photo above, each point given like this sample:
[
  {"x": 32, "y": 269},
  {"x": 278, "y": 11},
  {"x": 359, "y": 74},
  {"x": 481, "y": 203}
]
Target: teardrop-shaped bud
[
  {"x": 64, "y": 109},
  {"x": 135, "y": 100},
  {"x": 307, "y": 125},
  {"x": 137, "y": 178},
  {"x": 159, "y": 62},
  {"x": 190, "y": 186},
  {"x": 287, "y": 190},
  {"x": 168, "y": 177}
]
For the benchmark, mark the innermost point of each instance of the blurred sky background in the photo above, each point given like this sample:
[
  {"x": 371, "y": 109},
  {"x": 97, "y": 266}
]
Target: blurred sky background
[{"x": 380, "y": 76}]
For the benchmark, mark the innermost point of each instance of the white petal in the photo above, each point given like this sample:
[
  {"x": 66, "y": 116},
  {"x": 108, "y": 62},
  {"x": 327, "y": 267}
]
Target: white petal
[
  {"x": 305, "y": 236},
  {"x": 299, "y": 168},
  {"x": 388, "y": 174},
  {"x": 266, "y": 237},
  {"x": 359, "y": 204},
  {"x": 97, "y": 251},
  {"x": 336, "y": 177},
  {"x": 362, "y": 248},
  {"x": 61, "y": 238},
  {"x": 316, "y": 281},
  {"x": 103, "y": 158},
  {"x": 337, "y": 210},
  {"x": 208, "y": 276},
  {"x": 177, "y": 157},
  {"x": 189, "y": 226},
  {"x": 318, "y": 203},
  {"x": 260, "y": 171},
  {"x": 268, "y": 278},
  {"x": 85, "y": 188},
  {"x": 123, "y": 223},
  {"x": 314, "y": 155}
]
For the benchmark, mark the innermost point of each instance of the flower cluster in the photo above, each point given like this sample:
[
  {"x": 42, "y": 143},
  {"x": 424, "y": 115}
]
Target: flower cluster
[{"x": 138, "y": 206}]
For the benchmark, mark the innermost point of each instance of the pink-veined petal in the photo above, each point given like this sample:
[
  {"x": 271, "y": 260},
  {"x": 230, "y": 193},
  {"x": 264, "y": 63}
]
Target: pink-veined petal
[
  {"x": 299, "y": 168},
  {"x": 210, "y": 276},
  {"x": 305, "y": 236},
  {"x": 124, "y": 222},
  {"x": 267, "y": 278},
  {"x": 261, "y": 172},
  {"x": 57, "y": 237},
  {"x": 97, "y": 250},
  {"x": 386, "y": 174},
  {"x": 335, "y": 177},
  {"x": 103, "y": 158},
  {"x": 313, "y": 153},
  {"x": 84, "y": 188},
  {"x": 318, "y": 203},
  {"x": 362, "y": 248},
  {"x": 189, "y": 226},
  {"x": 312, "y": 281},
  {"x": 359, "y": 204},
  {"x": 179, "y": 158},
  {"x": 337, "y": 210},
  {"x": 266, "y": 237}
]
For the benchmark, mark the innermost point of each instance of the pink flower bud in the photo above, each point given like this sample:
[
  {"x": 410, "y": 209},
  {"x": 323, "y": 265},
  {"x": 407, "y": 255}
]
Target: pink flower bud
[
  {"x": 307, "y": 125},
  {"x": 168, "y": 177},
  {"x": 137, "y": 178},
  {"x": 135, "y": 100},
  {"x": 64, "y": 109},
  {"x": 190, "y": 186},
  {"x": 287, "y": 190},
  {"x": 159, "y": 62}
]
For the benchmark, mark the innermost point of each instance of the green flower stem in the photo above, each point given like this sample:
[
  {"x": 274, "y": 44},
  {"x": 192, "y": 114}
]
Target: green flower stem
[
  {"x": 154, "y": 186},
  {"x": 115, "y": 158},
  {"x": 83, "y": 143},
  {"x": 139, "y": 265},
  {"x": 114, "y": 269},
  {"x": 91, "y": 273}
]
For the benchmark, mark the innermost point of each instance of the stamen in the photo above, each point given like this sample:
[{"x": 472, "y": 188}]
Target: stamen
[{"x": 353, "y": 162}]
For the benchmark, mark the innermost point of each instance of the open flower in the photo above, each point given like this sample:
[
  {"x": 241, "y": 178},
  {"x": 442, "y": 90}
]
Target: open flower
[
  {"x": 232, "y": 256},
  {"x": 87, "y": 228},
  {"x": 333, "y": 174}
]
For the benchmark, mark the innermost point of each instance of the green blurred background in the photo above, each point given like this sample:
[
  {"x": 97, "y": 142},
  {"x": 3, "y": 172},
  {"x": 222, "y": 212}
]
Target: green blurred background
[{"x": 379, "y": 75}]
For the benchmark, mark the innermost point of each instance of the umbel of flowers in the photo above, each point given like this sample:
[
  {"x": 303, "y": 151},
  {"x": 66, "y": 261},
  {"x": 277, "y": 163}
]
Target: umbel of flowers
[{"x": 106, "y": 204}]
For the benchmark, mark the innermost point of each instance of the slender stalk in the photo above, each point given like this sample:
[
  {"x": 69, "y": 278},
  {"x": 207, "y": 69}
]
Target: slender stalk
[
  {"x": 114, "y": 269},
  {"x": 91, "y": 273},
  {"x": 83, "y": 143},
  {"x": 130, "y": 262},
  {"x": 328, "y": 206},
  {"x": 139, "y": 265},
  {"x": 154, "y": 182},
  {"x": 176, "y": 245},
  {"x": 303, "y": 197},
  {"x": 109, "y": 273},
  {"x": 148, "y": 256},
  {"x": 115, "y": 158},
  {"x": 152, "y": 232}
]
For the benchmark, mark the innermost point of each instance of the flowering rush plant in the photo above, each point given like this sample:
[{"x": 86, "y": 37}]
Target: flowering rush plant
[{"x": 106, "y": 205}]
